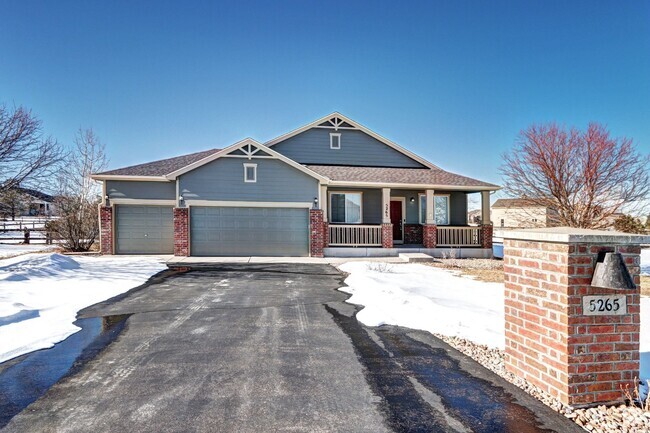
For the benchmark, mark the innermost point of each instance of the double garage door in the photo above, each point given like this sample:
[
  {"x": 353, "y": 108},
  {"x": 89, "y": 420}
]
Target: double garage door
[
  {"x": 214, "y": 231},
  {"x": 248, "y": 231}
]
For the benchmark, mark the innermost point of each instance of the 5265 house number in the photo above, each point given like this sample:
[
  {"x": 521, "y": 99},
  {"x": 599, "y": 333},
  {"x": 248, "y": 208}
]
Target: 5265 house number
[{"x": 604, "y": 305}]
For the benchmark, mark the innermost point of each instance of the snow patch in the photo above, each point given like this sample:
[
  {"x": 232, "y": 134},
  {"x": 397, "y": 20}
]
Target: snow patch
[
  {"x": 427, "y": 298},
  {"x": 40, "y": 294}
]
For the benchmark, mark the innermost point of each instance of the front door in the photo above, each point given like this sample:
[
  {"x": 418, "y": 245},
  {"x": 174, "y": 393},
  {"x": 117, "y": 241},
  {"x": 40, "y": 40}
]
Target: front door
[{"x": 396, "y": 217}]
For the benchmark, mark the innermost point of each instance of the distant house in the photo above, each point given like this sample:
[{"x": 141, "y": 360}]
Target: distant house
[
  {"x": 522, "y": 213},
  {"x": 28, "y": 202},
  {"x": 474, "y": 217}
]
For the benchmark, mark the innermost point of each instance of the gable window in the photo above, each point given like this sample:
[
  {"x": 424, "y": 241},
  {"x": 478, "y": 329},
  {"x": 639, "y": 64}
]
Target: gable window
[
  {"x": 335, "y": 140},
  {"x": 440, "y": 209},
  {"x": 250, "y": 173},
  {"x": 345, "y": 207}
]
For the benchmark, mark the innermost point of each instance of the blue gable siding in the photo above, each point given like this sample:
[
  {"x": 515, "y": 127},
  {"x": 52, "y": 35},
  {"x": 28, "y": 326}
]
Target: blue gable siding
[
  {"x": 357, "y": 148},
  {"x": 140, "y": 190},
  {"x": 223, "y": 179}
]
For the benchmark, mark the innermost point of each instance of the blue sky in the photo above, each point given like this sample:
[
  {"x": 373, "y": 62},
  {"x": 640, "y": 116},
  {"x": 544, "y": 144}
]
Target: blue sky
[{"x": 454, "y": 81}]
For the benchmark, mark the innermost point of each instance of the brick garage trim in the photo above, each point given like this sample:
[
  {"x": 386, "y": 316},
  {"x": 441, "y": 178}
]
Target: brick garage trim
[
  {"x": 181, "y": 231},
  {"x": 318, "y": 233},
  {"x": 582, "y": 360},
  {"x": 106, "y": 229}
]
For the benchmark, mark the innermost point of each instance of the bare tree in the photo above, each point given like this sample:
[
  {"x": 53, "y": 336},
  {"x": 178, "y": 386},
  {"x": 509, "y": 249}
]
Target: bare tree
[
  {"x": 26, "y": 156},
  {"x": 77, "y": 228},
  {"x": 587, "y": 176}
]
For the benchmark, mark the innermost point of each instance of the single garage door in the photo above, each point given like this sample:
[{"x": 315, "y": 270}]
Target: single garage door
[
  {"x": 144, "y": 230},
  {"x": 248, "y": 231}
]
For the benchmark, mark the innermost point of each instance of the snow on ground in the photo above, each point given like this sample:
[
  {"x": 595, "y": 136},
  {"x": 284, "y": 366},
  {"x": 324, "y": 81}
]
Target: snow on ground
[
  {"x": 11, "y": 250},
  {"x": 442, "y": 302},
  {"x": 40, "y": 294},
  {"x": 427, "y": 298},
  {"x": 645, "y": 262}
]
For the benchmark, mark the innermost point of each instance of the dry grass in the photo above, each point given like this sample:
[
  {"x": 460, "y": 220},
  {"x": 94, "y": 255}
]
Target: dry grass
[
  {"x": 645, "y": 285},
  {"x": 488, "y": 270}
]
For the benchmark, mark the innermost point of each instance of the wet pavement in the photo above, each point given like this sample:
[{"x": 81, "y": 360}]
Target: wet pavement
[{"x": 252, "y": 348}]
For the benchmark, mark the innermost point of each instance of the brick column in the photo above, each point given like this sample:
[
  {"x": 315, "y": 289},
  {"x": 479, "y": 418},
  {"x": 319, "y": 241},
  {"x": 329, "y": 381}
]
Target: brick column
[
  {"x": 387, "y": 235},
  {"x": 181, "y": 231},
  {"x": 487, "y": 231},
  {"x": 578, "y": 357},
  {"x": 106, "y": 229},
  {"x": 429, "y": 235},
  {"x": 317, "y": 235}
]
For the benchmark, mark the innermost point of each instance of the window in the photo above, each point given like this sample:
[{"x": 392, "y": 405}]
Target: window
[
  {"x": 440, "y": 209},
  {"x": 250, "y": 173},
  {"x": 345, "y": 207},
  {"x": 335, "y": 140}
]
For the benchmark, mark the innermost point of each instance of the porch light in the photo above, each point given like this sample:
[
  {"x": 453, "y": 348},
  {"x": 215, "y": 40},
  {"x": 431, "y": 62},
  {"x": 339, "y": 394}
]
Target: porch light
[
  {"x": 315, "y": 202},
  {"x": 412, "y": 199},
  {"x": 180, "y": 198}
]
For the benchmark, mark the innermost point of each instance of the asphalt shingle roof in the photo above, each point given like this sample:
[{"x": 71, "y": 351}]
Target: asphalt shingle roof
[
  {"x": 424, "y": 176},
  {"x": 161, "y": 167},
  {"x": 514, "y": 202}
]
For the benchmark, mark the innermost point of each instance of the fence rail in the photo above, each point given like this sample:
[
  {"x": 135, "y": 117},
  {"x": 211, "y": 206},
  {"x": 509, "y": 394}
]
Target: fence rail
[
  {"x": 355, "y": 235},
  {"x": 459, "y": 237}
]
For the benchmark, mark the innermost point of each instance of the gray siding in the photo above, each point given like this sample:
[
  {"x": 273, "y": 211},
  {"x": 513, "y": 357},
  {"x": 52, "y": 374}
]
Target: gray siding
[
  {"x": 141, "y": 190},
  {"x": 458, "y": 209},
  {"x": 357, "y": 148},
  {"x": 223, "y": 179}
]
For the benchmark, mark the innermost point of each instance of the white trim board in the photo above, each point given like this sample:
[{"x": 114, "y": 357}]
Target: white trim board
[
  {"x": 143, "y": 201},
  {"x": 275, "y": 204}
]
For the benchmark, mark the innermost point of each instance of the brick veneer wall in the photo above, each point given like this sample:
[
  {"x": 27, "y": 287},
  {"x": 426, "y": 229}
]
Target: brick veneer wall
[
  {"x": 181, "y": 231},
  {"x": 429, "y": 235},
  {"x": 318, "y": 233},
  {"x": 487, "y": 232},
  {"x": 387, "y": 235},
  {"x": 106, "y": 229},
  {"x": 581, "y": 360},
  {"x": 412, "y": 233}
]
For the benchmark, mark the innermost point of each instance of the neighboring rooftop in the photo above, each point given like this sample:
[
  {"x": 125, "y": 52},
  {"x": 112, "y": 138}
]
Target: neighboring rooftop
[
  {"x": 507, "y": 203},
  {"x": 161, "y": 167},
  {"x": 418, "y": 176}
]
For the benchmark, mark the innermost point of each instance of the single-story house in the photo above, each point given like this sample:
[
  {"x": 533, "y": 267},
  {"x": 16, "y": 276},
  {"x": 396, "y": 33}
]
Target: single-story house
[
  {"x": 331, "y": 187},
  {"x": 523, "y": 213}
]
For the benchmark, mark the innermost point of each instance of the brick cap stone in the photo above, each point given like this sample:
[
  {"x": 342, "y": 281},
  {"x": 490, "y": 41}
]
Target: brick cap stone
[{"x": 570, "y": 235}]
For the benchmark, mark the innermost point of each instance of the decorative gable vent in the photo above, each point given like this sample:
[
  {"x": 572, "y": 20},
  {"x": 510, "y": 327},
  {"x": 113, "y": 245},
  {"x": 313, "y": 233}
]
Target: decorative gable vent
[
  {"x": 249, "y": 151},
  {"x": 336, "y": 123}
]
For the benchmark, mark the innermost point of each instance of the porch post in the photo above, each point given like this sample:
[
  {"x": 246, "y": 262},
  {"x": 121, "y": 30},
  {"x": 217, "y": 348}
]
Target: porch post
[
  {"x": 429, "y": 230},
  {"x": 386, "y": 226},
  {"x": 486, "y": 220}
]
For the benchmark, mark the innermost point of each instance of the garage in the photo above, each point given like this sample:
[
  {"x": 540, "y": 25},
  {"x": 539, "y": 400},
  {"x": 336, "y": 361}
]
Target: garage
[
  {"x": 249, "y": 231},
  {"x": 144, "y": 229}
]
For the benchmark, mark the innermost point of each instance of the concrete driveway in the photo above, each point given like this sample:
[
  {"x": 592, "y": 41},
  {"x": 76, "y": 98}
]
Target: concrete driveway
[{"x": 258, "y": 348}]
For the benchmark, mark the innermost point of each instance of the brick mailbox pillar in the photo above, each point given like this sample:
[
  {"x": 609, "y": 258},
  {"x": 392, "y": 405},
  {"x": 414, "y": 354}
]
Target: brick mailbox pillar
[{"x": 578, "y": 342}]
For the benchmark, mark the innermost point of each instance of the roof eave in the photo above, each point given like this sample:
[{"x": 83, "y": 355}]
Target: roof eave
[
  {"x": 129, "y": 177},
  {"x": 395, "y": 185}
]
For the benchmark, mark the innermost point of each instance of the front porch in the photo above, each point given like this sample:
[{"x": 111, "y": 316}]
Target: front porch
[{"x": 380, "y": 222}]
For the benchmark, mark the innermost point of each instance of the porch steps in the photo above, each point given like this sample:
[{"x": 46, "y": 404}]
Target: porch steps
[{"x": 415, "y": 257}]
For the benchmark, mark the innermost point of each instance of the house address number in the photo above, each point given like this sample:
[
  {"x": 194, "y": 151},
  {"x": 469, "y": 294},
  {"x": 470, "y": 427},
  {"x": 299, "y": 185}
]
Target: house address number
[{"x": 604, "y": 305}]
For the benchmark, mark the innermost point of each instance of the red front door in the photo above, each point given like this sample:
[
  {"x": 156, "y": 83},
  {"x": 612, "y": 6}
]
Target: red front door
[{"x": 396, "y": 219}]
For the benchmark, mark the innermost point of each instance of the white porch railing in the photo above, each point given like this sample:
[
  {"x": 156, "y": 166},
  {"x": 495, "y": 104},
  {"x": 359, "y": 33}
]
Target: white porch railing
[
  {"x": 459, "y": 237},
  {"x": 355, "y": 235}
]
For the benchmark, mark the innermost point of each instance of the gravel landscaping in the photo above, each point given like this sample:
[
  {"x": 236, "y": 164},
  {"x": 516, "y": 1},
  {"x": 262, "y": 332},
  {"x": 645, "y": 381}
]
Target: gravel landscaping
[{"x": 620, "y": 419}]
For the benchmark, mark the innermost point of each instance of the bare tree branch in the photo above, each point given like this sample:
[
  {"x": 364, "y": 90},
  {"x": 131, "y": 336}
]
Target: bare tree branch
[{"x": 586, "y": 176}]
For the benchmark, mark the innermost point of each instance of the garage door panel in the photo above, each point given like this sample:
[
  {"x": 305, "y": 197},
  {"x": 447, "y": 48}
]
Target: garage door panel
[
  {"x": 144, "y": 229},
  {"x": 241, "y": 231}
]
